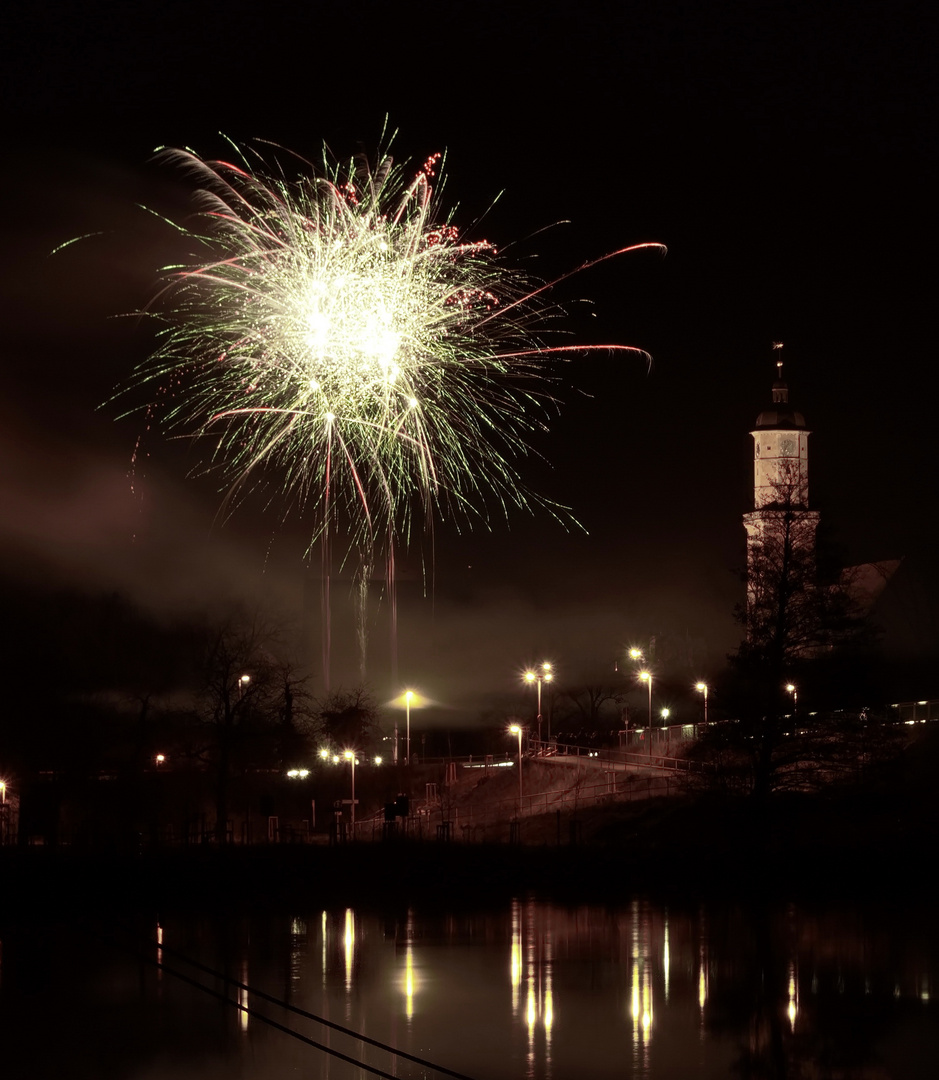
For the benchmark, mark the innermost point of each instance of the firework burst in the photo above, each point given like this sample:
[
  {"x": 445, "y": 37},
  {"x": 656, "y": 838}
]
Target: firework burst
[{"x": 339, "y": 335}]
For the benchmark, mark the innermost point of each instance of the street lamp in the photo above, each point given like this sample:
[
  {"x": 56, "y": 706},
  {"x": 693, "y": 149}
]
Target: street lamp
[
  {"x": 792, "y": 689},
  {"x": 702, "y": 688},
  {"x": 242, "y": 683},
  {"x": 665, "y": 715},
  {"x": 646, "y": 677},
  {"x": 350, "y": 754},
  {"x": 545, "y": 674},
  {"x": 408, "y": 694},
  {"x": 516, "y": 729}
]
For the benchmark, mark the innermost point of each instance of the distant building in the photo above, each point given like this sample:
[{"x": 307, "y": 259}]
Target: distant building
[{"x": 781, "y": 523}]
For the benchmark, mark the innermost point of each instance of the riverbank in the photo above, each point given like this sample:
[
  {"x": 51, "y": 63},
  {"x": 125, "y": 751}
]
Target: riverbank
[{"x": 859, "y": 843}]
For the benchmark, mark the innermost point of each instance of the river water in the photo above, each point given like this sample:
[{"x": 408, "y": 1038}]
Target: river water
[{"x": 527, "y": 990}]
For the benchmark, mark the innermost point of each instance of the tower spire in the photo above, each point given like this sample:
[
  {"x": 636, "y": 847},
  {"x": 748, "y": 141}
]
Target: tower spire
[{"x": 780, "y": 389}]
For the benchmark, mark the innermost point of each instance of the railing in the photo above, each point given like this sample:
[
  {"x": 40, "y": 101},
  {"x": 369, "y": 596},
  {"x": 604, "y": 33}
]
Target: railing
[{"x": 606, "y": 756}]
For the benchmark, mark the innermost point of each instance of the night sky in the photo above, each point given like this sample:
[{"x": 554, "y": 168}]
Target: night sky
[{"x": 785, "y": 152}]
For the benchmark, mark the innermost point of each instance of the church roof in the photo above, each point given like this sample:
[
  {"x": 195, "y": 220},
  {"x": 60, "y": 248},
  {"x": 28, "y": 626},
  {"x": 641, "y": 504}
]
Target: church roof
[
  {"x": 781, "y": 415},
  {"x": 780, "y": 418}
]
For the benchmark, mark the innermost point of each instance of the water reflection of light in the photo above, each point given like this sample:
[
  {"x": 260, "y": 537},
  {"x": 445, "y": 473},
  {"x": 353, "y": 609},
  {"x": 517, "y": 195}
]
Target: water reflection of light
[
  {"x": 349, "y": 944},
  {"x": 243, "y": 996},
  {"x": 515, "y": 967},
  {"x": 409, "y": 984},
  {"x": 323, "y": 933},
  {"x": 159, "y": 951},
  {"x": 793, "y": 1009},
  {"x": 297, "y": 941},
  {"x": 646, "y": 1002}
]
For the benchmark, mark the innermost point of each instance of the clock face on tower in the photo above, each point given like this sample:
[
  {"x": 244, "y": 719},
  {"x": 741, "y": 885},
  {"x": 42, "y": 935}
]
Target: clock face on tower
[{"x": 787, "y": 447}]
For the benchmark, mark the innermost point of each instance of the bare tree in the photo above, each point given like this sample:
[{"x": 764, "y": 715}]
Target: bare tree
[
  {"x": 794, "y": 623},
  {"x": 348, "y": 719},
  {"x": 250, "y": 705}
]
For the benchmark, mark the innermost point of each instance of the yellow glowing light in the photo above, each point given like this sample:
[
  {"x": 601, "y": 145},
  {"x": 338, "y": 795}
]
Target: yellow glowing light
[
  {"x": 324, "y": 754},
  {"x": 635, "y": 654},
  {"x": 514, "y": 729},
  {"x": 409, "y": 982},
  {"x": 515, "y": 968},
  {"x": 349, "y": 945},
  {"x": 644, "y": 676},
  {"x": 793, "y": 1009},
  {"x": 700, "y": 687},
  {"x": 243, "y": 997}
]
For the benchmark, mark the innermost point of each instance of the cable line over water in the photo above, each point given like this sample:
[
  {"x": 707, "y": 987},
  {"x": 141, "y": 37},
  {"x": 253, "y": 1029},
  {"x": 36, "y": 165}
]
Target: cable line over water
[{"x": 230, "y": 981}]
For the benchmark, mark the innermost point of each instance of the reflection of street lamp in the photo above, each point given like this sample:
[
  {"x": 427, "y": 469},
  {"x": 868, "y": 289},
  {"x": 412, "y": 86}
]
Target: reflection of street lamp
[
  {"x": 544, "y": 675},
  {"x": 792, "y": 689},
  {"x": 350, "y": 754},
  {"x": 702, "y": 688},
  {"x": 516, "y": 729}
]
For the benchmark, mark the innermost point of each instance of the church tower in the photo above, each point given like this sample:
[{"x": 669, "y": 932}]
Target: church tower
[{"x": 781, "y": 527}]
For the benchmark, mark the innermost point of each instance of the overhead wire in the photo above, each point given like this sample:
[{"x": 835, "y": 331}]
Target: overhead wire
[{"x": 230, "y": 981}]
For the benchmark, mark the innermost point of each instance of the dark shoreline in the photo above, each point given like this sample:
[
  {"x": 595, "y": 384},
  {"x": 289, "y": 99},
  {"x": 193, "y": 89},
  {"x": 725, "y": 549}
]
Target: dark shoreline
[{"x": 677, "y": 850}]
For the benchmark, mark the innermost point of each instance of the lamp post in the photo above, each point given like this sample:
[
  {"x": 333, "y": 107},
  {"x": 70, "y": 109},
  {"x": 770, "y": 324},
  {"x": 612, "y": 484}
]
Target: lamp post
[
  {"x": 350, "y": 754},
  {"x": 242, "y": 683},
  {"x": 516, "y": 729},
  {"x": 408, "y": 694},
  {"x": 793, "y": 689},
  {"x": 646, "y": 677},
  {"x": 665, "y": 715},
  {"x": 702, "y": 688},
  {"x": 544, "y": 674}
]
